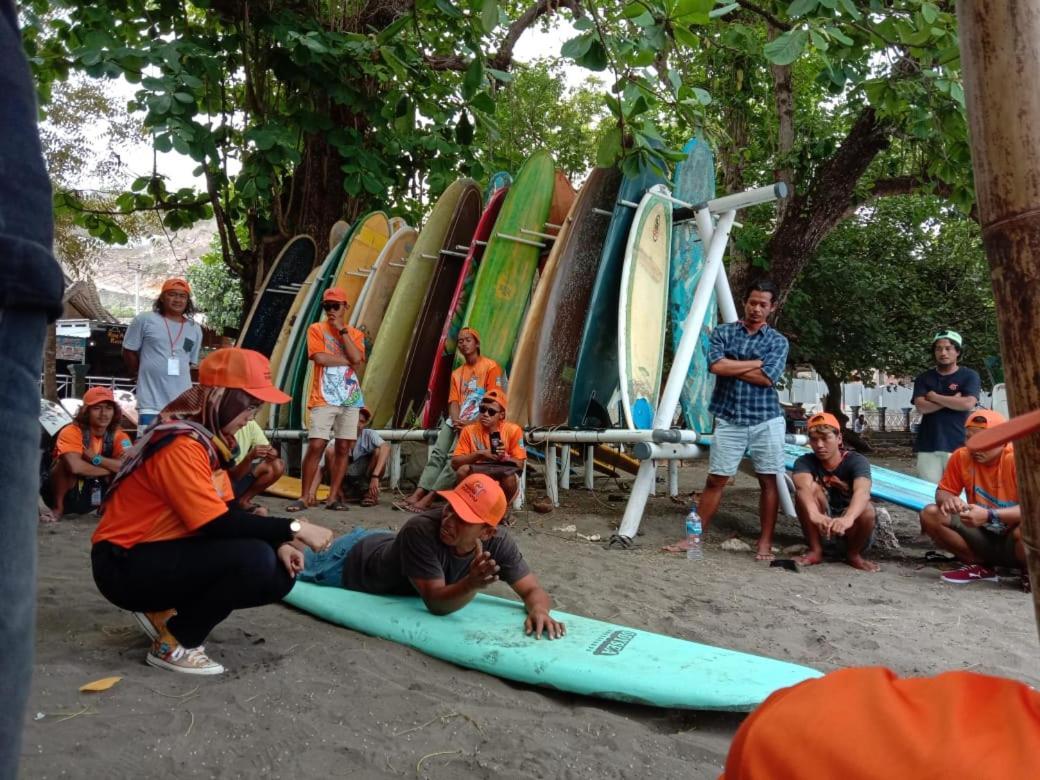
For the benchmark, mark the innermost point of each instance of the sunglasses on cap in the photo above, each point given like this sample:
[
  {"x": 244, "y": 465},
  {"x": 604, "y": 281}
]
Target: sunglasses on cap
[
  {"x": 488, "y": 409},
  {"x": 332, "y": 305},
  {"x": 978, "y": 421}
]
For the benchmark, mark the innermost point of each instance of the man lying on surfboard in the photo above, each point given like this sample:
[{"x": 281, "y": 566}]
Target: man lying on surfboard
[{"x": 445, "y": 555}]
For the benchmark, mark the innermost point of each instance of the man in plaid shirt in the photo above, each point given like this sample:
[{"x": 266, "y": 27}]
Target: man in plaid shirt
[{"x": 747, "y": 358}]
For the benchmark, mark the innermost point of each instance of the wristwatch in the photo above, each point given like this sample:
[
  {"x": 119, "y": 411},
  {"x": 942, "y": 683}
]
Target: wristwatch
[
  {"x": 96, "y": 460},
  {"x": 295, "y": 527},
  {"x": 993, "y": 521},
  {"x": 344, "y": 331}
]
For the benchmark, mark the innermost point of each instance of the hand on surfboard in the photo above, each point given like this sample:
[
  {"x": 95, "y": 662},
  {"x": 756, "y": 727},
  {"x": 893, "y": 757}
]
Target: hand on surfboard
[{"x": 539, "y": 620}]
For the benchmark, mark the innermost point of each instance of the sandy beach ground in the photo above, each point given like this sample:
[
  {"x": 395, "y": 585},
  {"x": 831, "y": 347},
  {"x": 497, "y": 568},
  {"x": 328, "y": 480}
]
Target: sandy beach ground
[{"x": 306, "y": 699}]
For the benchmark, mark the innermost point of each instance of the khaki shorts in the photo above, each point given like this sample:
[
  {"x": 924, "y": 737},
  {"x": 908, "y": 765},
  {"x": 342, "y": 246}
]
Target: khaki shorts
[
  {"x": 931, "y": 465},
  {"x": 992, "y": 549},
  {"x": 339, "y": 422}
]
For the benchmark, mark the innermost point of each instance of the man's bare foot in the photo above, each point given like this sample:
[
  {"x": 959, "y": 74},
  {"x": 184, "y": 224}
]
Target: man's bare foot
[
  {"x": 764, "y": 552},
  {"x": 811, "y": 558},
  {"x": 859, "y": 562},
  {"x": 48, "y": 516},
  {"x": 679, "y": 547}
]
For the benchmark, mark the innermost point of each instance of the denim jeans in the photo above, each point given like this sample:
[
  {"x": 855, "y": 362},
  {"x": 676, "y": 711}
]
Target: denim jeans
[
  {"x": 21, "y": 350},
  {"x": 327, "y": 568}
]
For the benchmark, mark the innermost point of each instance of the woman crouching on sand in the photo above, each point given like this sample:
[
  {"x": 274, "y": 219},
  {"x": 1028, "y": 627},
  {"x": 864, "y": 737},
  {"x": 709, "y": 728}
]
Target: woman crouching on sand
[{"x": 168, "y": 547}]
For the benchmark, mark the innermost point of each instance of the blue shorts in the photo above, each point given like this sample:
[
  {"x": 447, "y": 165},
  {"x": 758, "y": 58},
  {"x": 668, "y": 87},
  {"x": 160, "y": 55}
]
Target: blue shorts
[
  {"x": 763, "y": 443},
  {"x": 327, "y": 568}
]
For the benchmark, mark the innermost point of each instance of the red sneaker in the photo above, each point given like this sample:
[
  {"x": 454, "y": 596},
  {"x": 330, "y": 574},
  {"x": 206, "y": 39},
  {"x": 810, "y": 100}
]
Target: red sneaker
[{"x": 970, "y": 573}]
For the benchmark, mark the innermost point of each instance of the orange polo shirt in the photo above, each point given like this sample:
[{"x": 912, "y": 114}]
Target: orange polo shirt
[
  {"x": 475, "y": 437},
  {"x": 170, "y": 496},
  {"x": 70, "y": 439},
  {"x": 992, "y": 485}
]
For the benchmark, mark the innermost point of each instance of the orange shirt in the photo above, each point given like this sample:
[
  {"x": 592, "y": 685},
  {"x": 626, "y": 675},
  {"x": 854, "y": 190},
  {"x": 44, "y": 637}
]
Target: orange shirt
[
  {"x": 170, "y": 496},
  {"x": 991, "y": 485},
  {"x": 476, "y": 437},
  {"x": 333, "y": 385},
  {"x": 70, "y": 439},
  {"x": 469, "y": 383}
]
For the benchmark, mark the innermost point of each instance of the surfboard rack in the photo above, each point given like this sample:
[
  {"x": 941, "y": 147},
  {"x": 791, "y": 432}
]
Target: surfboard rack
[
  {"x": 520, "y": 240},
  {"x": 546, "y": 236},
  {"x": 453, "y": 253},
  {"x": 602, "y": 212},
  {"x": 398, "y": 264}
]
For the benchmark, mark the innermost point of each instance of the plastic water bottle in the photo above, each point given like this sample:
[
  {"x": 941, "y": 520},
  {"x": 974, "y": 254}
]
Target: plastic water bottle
[{"x": 694, "y": 551}]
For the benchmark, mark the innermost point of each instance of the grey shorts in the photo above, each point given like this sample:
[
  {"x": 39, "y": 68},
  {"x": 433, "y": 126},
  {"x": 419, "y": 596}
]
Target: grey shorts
[
  {"x": 992, "y": 549},
  {"x": 763, "y": 443}
]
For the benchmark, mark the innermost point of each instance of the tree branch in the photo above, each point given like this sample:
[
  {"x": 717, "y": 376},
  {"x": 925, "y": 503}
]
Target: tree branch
[
  {"x": 774, "y": 21},
  {"x": 503, "y": 58},
  {"x": 783, "y": 98}
]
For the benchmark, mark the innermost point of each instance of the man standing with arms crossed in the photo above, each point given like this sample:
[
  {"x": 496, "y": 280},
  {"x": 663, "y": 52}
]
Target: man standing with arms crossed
[
  {"x": 747, "y": 358},
  {"x": 335, "y": 401},
  {"x": 943, "y": 395}
]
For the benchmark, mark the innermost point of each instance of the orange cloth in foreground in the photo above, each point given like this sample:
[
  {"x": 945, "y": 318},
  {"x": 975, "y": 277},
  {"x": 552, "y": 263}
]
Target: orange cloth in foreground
[
  {"x": 864, "y": 724},
  {"x": 476, "y": 437},
  {"x": 170, "y": 496}
]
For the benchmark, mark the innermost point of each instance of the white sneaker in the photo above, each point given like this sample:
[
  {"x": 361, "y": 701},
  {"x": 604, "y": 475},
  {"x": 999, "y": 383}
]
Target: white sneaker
[{"x": 167, "y": 654}]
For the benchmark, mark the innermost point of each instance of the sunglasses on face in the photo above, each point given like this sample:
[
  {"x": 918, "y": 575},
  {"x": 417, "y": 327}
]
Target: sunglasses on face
[
  {"x": 490, "y": 410},
  {"x": 331, "y": 306}
]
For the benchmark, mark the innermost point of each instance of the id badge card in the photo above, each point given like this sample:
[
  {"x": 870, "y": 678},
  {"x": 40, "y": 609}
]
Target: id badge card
[{"x": 173, "y": 367}]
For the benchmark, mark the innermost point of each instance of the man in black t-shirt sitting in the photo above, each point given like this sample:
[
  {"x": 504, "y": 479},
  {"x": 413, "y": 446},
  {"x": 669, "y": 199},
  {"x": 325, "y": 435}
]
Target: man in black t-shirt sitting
[
  {"x": 445, "y": 555},
  {"x": 833, "y": 495},
  {"x": 943, "y": 395}
]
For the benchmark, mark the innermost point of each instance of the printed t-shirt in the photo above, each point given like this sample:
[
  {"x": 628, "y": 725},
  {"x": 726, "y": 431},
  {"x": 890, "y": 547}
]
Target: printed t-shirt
[
  {"x": 839, "y": 482},
  {"x": 475, "y": 437},
  {"x": 70, "y": 439},
  {"x": 333, "y": 385},
  {"x": 157, "y": 339},
  {"x": 170, "y": 496},
  {"x": 470, "y": 383},
  {"x": 943, "y": 430},
  {"x": 248, "y": 436},
  {"x": 386, "y": 563},
  {"x": 993, "y": 485}
]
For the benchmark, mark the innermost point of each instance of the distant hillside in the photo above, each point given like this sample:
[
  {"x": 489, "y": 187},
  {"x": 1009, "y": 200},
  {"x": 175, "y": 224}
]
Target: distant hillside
[{"x": 154, "y": 259}]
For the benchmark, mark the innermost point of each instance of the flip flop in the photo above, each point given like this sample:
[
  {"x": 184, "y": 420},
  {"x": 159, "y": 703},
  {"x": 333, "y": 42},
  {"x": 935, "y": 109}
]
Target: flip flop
[
  {"x": 297, "y": 506},
  {"x": 369, "y": 501},
  {"x": 337, "y": 506}
]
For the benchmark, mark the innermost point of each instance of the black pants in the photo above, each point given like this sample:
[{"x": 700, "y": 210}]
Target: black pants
[{"x": 203, "y": 579}]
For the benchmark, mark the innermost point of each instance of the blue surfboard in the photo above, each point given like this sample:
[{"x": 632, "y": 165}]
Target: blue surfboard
[
  {"x": 594, "y": 658},
  {"x": 693, "y": 182}
]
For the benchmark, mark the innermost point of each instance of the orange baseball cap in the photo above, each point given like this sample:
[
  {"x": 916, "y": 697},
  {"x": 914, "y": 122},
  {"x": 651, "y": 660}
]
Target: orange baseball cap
[
  {"x": 960, "y": 724},
  {"x": 471, "y": 331},
  {"x": 496, "y": 395},
  {"x": 478, "y": 499},
  {"x": 176, "y": 283},
  {"x": 984, "y": 418},
  {"x": 243, "y": 369},
  {"x": 823, "y": 418},
  {"x": 98, "y": 395},
  {"x": 334, "y": 294}
]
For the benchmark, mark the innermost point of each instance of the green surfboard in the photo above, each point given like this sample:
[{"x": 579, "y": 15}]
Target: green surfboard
[
  {"x": 595, "y": 658},
  {"x": 503, "y": 285}
]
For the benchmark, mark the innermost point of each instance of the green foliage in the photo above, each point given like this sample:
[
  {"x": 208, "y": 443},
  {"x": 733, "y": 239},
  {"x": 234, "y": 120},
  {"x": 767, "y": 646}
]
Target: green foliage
[
  {"x": 216, "y": 292},
  {"x": 569, "y": 129},
  {"x": 883, "y": 283}
]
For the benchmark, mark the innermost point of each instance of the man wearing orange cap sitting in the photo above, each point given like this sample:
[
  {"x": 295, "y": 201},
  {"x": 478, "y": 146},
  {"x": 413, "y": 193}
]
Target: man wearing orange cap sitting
[
  {"x": 832, "y": 495},
  {"x": 335, "y": 399},
  {"x": 168, "y": 547},
  {"x": 161, "y": 348},
  {"x": 445, "y": 555},
  {"x": 87, "y": 455},
  {"x": 984, "y": 531},
  {"x": 491, "y": 445},
  {"x": 477, "y": 376}
]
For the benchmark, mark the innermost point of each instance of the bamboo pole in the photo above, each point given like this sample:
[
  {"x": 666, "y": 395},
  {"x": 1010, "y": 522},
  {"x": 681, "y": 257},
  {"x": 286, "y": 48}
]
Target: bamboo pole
[{"x": 1000, "y": 56}]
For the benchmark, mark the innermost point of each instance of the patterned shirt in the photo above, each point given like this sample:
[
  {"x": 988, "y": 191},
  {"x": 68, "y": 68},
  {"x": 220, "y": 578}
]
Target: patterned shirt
[{"x": 738, "y": 401}]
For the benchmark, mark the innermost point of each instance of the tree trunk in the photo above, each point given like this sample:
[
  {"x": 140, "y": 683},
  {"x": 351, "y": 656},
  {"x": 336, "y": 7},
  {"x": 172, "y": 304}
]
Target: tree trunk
[
  {"x": 824, "y": 202},
  {"x": 1000, "y": 52},
  {"x": 50, "y": 364}
]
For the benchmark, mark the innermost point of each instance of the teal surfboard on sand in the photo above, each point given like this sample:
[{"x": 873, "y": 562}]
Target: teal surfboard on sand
[
  {"x": 693, "y": 182},
  {"x": 892, "y": 486},
  {"x": 594, "y": 659}
]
